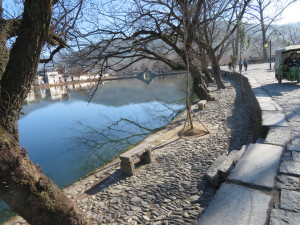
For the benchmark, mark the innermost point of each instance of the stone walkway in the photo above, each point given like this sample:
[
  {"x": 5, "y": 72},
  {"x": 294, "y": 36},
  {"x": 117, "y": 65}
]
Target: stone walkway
[
  {"x": 172, "y": 189},
  {"x": 264, "y": 187}
]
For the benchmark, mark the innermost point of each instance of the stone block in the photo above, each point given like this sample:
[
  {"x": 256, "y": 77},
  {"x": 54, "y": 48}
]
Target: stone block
[
  {"x": 278, "y": 135},
  {"x": 239, "y": 153},
  {"x": 283, "y": 217},
  {"x": 290, "y": 167},
  {"x": 226, "y": 166},
  {"x": 295, "y": 126},
  {"x": 140, "y": 153},
  {"x": 290, "y": 200},
  {"x": 288, "y": 182},
  {"x": 201, "y": 104},
  {"x": 258, "y": 165},
  {"x": 296, "y": 156},
  {"x": 212, "y": 174},
  {"x": 230, "y": 161},
  {"x": 294, "y": 145},
  {"x": 236, "y": 205},
  {"x": 274, "y": 118},
  {"x": 128, "y": 168}
]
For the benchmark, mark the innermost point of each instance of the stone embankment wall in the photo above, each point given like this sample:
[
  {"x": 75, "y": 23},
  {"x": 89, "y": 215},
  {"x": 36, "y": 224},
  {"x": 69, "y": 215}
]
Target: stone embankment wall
[{"x": 254, "y": 108}]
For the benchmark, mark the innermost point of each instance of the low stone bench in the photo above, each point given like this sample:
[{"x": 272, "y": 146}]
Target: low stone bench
[
  {"x": 140, "y": 153},
  {"x": 201, "y": 104}
]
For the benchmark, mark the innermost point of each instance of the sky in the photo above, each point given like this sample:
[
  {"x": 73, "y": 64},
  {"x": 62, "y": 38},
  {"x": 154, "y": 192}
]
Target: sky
[{"x": 291, "y": 14}]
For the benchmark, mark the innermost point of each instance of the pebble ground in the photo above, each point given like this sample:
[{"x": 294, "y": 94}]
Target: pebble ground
[{"x": 172, "y": 189}]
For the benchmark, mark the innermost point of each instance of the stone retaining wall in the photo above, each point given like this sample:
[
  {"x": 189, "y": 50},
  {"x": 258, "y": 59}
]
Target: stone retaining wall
[{"x": 255, "y": 110}]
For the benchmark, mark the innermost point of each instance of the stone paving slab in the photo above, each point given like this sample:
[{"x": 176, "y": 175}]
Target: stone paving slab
[
  {"x": 288, "y": 182},
  {"x": 283, "y": 217},
  {"x": 278, "y": 107},
  {"x": 290, "y": 167},
  {"x": 258, "y": 166},
  {"x": 295, "y": 126},
  {"x": 290, "y": 200},
  {"x": 293, "y": 116},
  {"x": 294, "y": 145},
  {"x": 296, "y": 156},
  {"x": 266, "y": 106},
  {"x": 236, "y": 205},
  {"x": 278, "y": 136},
  {"x": 274, "y": 118}
]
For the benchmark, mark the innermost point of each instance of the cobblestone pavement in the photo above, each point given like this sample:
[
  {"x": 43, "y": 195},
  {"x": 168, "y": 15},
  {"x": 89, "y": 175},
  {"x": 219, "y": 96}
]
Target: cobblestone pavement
[
  {"x": 286, "y": 210},
  {"x": 172, "y": 189}
]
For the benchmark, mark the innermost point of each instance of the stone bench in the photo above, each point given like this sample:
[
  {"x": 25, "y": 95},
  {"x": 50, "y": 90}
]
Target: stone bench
[
  {"x": 201, "y": 104},
  {"x": 140, "y": 153}
]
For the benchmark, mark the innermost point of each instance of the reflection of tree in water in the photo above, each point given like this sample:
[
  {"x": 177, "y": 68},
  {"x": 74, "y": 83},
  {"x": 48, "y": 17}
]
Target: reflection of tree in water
[{"x": 102, "y": 144}]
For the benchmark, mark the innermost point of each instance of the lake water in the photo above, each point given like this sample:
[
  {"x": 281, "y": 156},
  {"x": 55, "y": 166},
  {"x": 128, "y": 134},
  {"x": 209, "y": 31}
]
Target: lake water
[{"x": 69, "y": 137}]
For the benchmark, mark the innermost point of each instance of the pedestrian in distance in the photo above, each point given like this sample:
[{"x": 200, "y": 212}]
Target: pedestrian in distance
[
  {"x": 230, "y": 65},
  {"x": 245, "y": 62},
  {"x": 240, "y": 65}
]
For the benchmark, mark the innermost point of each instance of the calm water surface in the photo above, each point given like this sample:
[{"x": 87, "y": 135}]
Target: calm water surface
[{"x": 57, "y": 120}]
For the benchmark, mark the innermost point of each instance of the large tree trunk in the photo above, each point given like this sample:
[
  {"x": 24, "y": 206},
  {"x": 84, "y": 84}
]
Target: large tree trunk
[
  {"x": 207, "y": 75},
  {"x": 199, "y": 85},
  {"x": 23, "y": 187},
  {"x": 28, "y": 192},
  {"x": 216, "y": 70}
]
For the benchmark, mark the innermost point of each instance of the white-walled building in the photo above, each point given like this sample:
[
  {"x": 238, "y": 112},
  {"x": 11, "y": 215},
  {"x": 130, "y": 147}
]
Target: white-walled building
[{"x": 53, "y": 77}]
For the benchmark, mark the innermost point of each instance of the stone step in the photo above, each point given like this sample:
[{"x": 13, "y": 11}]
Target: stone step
[
  {"x": 223, "y": 165},
  {"x": 236, "y": 205},
  {"x": 258, "y": 165}
]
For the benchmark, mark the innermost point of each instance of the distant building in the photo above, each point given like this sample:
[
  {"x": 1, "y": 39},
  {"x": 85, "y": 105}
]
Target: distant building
[
  {"x": 49, "y": 75},
  {"x": 53, "y": 77},
  {"x": 39, "y": 80}
]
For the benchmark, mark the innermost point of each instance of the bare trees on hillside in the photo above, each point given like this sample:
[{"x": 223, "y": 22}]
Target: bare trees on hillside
[
  {"x": 264, "y": 13},
  {"x": 153, "y": 30}
]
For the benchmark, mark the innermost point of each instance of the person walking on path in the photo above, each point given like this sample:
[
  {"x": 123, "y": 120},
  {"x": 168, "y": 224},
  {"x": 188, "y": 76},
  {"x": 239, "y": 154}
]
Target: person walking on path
[
  {"x": 245, "y": 62},
  {"x": 240, "y": 65},
  {"x": 230, "y": 65}
]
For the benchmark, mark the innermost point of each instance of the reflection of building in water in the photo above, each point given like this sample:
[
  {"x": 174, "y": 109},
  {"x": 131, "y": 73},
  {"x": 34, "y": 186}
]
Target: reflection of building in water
[
  {"x": 39, "y": 80},
  {"x": 81, "y": 86},
  {"x": 59, "y": 93},
  {"x": 82, "y": 77},
  {"x": 36, "y": 95},
  {"x": 41, "y": 93},
  {"x": 30, "y": 97}
]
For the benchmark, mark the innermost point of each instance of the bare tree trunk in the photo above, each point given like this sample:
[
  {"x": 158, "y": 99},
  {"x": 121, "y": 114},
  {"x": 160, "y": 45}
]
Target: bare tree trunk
[
  {"x": 216, "y": 70},
  {"x": 1, "y": 9},
  {"x": 264, "y": 40},
  {"x": 207, "y": 75},
  {"x": 199, "y": 85},
  {"x": 28, "y": 192},
  {"x": 204, "y": 65},
  {"x": 23, "y": 187}
]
